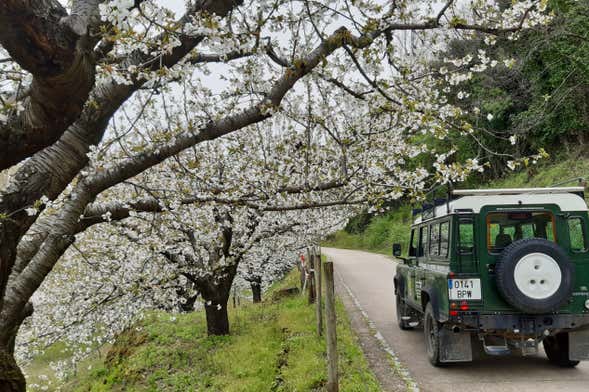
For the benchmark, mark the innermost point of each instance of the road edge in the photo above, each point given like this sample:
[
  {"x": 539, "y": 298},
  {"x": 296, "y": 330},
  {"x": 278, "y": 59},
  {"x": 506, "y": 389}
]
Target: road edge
[{"x": 382, "y": 360}]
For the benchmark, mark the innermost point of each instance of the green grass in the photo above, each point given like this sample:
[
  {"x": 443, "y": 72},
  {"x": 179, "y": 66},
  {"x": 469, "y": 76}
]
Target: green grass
[
  {"x": 379, "y": 236},
  {"x": 546, "y": 174},
  {"x": 273, "y": 347},
  {"x": 39, "y": 373},
  {"x": 39, "y": 368},
  {"x": 384, "y": 230}
]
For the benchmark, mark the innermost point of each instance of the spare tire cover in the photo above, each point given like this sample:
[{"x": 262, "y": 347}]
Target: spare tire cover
[{"x": 535, "y": 275}]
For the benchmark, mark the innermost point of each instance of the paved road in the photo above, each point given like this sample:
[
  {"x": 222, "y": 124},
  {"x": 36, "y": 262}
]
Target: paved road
[{"x": 369, "y": 277}]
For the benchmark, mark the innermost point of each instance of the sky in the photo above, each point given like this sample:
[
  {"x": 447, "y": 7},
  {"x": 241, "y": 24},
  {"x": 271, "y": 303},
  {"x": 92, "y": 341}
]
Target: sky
[{"x": 178, "y": 6}]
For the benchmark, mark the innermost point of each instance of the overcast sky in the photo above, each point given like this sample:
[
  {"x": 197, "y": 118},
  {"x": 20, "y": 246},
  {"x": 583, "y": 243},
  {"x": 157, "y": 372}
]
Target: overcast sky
[{"x": 178, "y": 6}]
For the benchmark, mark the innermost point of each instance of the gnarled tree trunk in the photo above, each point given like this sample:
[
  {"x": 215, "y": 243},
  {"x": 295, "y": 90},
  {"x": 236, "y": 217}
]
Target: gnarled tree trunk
[
  {"x": 11, "y": 377},
  {"x": 217, "y": 317},
  {"x": 215, "y": 291},
  {"x": 8, "y": 241},
  {"x": 256, "y": 285}
]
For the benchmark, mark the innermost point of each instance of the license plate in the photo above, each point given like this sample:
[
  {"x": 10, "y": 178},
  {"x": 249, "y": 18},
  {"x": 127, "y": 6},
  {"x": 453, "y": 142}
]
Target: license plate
[{"x": 464, "y": 289}]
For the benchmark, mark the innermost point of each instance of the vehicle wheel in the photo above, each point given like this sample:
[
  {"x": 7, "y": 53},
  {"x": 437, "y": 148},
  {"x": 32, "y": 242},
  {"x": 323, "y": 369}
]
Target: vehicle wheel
[
  {"x": 431, "y": 330},
  {"x": 557, "y": 350},
  {"x": 402, "y": 311},
  {"x": 535, "y": 275}
]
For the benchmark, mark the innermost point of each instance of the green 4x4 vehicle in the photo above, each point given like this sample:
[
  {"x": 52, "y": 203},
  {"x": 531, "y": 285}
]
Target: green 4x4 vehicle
[{"x": 508, "y": 268}]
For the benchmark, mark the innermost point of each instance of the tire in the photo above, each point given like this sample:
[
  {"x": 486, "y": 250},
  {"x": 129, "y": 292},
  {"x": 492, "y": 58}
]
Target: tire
[
  {"x": 535, "y": 276},
  {"x": 402, "y": 311},
  {"x": 431, "y": 331},
  {"x": 557, "y": 350}
]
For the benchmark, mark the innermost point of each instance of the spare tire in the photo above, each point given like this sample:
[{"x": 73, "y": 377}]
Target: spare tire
[{"x": 535, "y": 276}]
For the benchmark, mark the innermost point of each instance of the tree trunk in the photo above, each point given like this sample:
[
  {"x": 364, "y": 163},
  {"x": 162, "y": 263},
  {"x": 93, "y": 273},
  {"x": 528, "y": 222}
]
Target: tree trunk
[
  {"x": 256, "y": 285},
  {"x": 216, "y": 290},
  {"x": 11, "y": 377},
  {"x": 217, "y": 318},
  {"x": 7, "y": 254},
  {"x": 8, "y": 335},
  {"x": 188, "y": 306}
]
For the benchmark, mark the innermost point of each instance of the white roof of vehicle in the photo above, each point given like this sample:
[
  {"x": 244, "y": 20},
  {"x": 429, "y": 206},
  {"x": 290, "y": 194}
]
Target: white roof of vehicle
[
  {"x": 474, "y": 199},
  {"x": 518, "y": 191}
]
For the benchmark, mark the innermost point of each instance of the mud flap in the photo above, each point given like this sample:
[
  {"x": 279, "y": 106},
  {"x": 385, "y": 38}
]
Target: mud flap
[
  {"x": 455, "y": 347},
  {"x": 579, "y": 345}
]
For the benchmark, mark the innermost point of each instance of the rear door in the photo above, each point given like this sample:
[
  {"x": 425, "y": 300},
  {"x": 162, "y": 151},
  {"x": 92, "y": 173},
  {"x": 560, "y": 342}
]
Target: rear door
[{"x": 502, "y": 225}]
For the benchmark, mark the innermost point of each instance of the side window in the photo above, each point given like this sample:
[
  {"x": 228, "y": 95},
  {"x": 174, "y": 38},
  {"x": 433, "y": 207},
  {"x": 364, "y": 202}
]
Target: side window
[
  {"x": 465, "y": 236},
  {"x": 444, "y": 238},
  {"x": 413, "y": 243},
  {"x": 434, "y": 240},
  {"x": 422, "y": 241},
  {"x": 577, "y": 234}
]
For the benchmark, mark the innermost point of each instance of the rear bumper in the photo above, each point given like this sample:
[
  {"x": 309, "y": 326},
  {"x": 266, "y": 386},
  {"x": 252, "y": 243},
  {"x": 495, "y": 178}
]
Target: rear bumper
[{"x": 524, "y": 324}]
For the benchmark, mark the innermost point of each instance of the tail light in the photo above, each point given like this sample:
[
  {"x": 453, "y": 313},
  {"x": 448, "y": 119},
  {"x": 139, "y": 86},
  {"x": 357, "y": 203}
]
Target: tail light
[{"x": 454, "y": 307}]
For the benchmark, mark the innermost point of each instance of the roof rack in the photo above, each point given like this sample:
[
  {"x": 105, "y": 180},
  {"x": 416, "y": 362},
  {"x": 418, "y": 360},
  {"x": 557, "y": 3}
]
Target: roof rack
[
  {"x": 517, "y": 191},
  {"x": 579, "y": 180}
]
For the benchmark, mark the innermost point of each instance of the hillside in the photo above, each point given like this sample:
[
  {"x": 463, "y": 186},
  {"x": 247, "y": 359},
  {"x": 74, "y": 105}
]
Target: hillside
[
  {"x": 381, "y": 231},
  {"x": 273, "y": 347}
]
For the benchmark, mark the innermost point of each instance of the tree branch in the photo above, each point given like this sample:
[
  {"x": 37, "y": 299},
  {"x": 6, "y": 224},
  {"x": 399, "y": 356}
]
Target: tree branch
[{"x": 96, "y": 118}]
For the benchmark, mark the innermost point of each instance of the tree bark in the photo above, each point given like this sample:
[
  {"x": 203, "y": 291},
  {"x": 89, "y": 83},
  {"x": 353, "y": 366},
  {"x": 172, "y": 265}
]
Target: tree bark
[
  {"x": 190, "y": 300},
  {"x": 33, "y": 34},
  {"x": 8, "y": 241},
  {"x": 8, "y": 337},
  {"x": 20, "y": 290},
  {"x": 11, "y": 377},
  {"x": 217, "y": 318},
  {"x": 52, "y": 169},
  {"x": 256, "y": 285},
  {"x": 216, "y": 290},
  {"x": 38, "y": 38}
]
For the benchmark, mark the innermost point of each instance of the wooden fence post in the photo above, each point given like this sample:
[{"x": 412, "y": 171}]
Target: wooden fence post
[
  {"x": 332, "y": 377},
  {"x": 318, "y": 301},
  {"x": 311, "y": 277},
  {"x": 301, "y": 271}
]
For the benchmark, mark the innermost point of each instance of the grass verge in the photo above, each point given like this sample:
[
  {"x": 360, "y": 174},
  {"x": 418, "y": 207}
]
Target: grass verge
[
  {"x": 273, "y": 347},
  {"x": 380, "y": 234}
]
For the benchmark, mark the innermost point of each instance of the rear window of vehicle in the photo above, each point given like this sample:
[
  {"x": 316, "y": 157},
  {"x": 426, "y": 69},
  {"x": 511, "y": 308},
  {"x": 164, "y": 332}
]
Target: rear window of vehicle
[{"x": 503, "y": 228}]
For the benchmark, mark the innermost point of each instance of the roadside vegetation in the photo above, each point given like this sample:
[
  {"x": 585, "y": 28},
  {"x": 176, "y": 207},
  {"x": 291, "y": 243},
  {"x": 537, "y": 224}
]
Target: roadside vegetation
[
  {"x": 378, "y": 233},
  {"x": 273, "y": 347},
  {"x": 537, "y": 103},
  {"x": 374, "y": 233}
]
